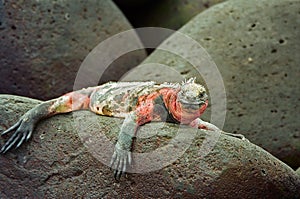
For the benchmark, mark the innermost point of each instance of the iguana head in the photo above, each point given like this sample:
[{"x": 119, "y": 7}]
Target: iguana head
[
  {"x": 192, "y": 95},
  {"x": 191, "y": 101}
]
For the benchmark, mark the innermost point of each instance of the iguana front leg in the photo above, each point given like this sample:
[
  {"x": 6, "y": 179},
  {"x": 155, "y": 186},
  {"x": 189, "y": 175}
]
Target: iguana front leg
[
  {"x": 200, "y": 124},
  {"x": 24, "y": 127},
  {"x": 122, "y": 154}
]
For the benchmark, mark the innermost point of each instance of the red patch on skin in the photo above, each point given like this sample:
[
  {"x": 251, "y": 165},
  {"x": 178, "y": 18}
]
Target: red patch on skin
[
  {"x": 77, "y": 101},
  {"x": 145, "y": 107},
  {"x": 144, "y": 113}
]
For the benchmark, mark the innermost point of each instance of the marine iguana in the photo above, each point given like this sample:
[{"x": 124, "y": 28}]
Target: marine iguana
[{"x": 137, "y": 102}]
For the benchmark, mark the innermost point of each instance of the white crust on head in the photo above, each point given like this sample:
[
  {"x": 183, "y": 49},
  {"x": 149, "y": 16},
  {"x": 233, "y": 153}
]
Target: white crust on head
[
  {"x": 192, "y": 92},
  {"x": 189, "y": 81}
]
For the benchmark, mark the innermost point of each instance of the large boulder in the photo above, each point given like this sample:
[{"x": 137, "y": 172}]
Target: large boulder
[
  {"x": 43, "y": 44},
  {"x": 56, "y": 163},
  {"x": 255, "y": 45}
]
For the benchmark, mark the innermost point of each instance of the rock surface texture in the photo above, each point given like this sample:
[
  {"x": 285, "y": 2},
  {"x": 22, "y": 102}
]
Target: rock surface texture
[
  {"x": 56, "y": 163},
  {"x": 256, "y": 46},
  {"x": 43, "y": 44}
]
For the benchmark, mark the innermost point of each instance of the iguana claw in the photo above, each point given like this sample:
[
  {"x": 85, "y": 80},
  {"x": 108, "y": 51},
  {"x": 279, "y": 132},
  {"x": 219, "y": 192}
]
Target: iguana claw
[
  {"x": 23, "y": 130},
  {"x": 119, "y": 162}
]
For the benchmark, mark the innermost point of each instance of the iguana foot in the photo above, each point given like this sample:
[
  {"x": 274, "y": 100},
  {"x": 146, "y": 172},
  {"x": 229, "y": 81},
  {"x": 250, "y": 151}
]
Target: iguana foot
[
  {"x": 23, "y": 131},
  {"x": 119, "y": 162}
]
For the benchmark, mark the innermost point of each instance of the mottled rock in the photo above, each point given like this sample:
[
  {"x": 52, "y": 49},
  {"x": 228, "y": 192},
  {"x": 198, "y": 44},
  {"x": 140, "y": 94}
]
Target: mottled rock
[
  {"x": 43, "y": 44},
  {"x": 170, "y": 14},
  {"x": 55, "y": 163},
  {"x": 255, "y": 45}
]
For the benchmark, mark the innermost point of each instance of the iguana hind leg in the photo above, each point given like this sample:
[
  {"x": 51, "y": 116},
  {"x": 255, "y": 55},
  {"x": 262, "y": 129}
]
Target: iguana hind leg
[{"x": 24, "y": 127}]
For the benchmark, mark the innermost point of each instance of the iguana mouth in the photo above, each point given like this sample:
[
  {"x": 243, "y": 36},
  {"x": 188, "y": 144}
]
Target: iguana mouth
[{"x": 191, "y": 105}]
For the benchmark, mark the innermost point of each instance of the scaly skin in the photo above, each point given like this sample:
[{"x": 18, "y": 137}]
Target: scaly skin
[{"x": 137, "y": 102}]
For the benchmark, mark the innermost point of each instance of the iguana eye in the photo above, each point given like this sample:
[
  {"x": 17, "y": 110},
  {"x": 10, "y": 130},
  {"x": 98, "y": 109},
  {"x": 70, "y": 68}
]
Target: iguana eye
[{"x": 201, "y": 95}]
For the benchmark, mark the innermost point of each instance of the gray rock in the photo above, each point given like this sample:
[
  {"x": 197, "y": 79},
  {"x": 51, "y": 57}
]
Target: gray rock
[
  {"x": 43, "y": 44},
  {"x": 56, "y": 163},
  {"x": 255, "y": 45}
]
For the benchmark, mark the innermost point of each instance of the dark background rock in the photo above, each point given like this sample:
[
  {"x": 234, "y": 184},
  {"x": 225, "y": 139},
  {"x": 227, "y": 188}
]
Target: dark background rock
[
  {"x": 43, "y": 44},
  {"x": 55, "y": 163},
  {"x": 170, "y": 14},
  {"x": 255, "y": 45}
]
